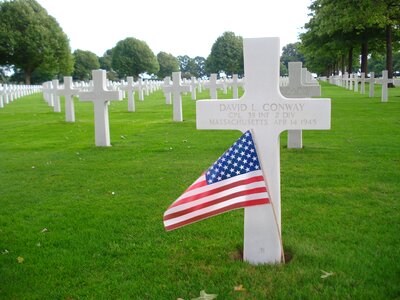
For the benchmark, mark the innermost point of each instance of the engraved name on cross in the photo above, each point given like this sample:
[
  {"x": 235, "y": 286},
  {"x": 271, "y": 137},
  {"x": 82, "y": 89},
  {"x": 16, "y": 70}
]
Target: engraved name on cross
[
  {"x": 100, "y": 96},
  {"x": 267, "y": 113}
]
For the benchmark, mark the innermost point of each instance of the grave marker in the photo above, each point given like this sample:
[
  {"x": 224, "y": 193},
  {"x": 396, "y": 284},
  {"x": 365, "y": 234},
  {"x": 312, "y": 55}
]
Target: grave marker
[
  {"x": 167, "y": 90},
  {"x": 130, "y": 89},
  {"x": 140, "y": 88},
  {"x": 193, "y": 85},
  {"x": 371, "y": 82},
  {"x": 68, "y": 92},
  {"x": 176, "y": 89},
  {"x": 213, "y": 85},
  {"x": 56, "y": 97},
  {"x": 235, "y": 85},
  {"x": 100, "y": 96},
  {"x": 385, "y": 81},
  {"x": 362, "y": 83},
  {"x": 267, "y": 113},
  {"x": 297, "y": 89}
]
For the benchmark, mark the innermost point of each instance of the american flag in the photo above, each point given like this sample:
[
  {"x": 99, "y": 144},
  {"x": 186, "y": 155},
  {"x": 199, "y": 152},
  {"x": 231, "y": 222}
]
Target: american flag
[{"x": 235, "y": 180}]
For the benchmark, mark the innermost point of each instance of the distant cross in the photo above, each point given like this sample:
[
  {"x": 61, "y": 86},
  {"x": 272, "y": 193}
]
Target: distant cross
[
  {"x": 225, "y": 85},
  {"x": 140, "y": 88},
  {"x": 351, "y": 79},
  {"x": 362, "y": 83},
  {"x": 167, "y": 90},
  {"x": 68, "y": 92},
  {"x": 2, "y": 93},
  {"x": 213, "y": 85},
  {"x": 130, "y": 89},
  {"x": 345, "y": 82},
  {"x": 267, "y": 113},
  {"x": 385, "y": 81},
  {"x": 193, "y": 85},
  {"x": 371, "y": 81},
  {"x": 50, "y": 100},
  {"x": 356, "y": 79},
  {"x": 235, "y": 85},
  {"x": 176, "y": 89},
  {"x": 298, "y": 89},
  {"x": 147, "y": 87},
  {"x": 100, "y": 96},
  {"x": 56, "y": 97},
  {"x": 200, "y": 85}
]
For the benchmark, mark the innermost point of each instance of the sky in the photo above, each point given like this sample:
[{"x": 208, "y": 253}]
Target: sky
[{"x": 179, "y": 27}]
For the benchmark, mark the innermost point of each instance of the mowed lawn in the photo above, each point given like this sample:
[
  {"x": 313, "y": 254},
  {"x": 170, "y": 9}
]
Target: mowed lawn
[{"x": 81, "y": 222}]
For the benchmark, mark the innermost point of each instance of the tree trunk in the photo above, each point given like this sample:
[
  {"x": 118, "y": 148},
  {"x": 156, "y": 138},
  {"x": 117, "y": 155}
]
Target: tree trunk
[
  {"x": 389, "y": 56},
  {"x": 342, "y": 64},
  {"x": 350, "y": 61},
  {"x": 364, "y": 57},
  {"x": 27, "y": 75}
]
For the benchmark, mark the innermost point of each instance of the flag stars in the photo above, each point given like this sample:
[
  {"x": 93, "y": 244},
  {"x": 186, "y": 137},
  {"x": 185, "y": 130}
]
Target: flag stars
[{"x": 240, "y": 158}]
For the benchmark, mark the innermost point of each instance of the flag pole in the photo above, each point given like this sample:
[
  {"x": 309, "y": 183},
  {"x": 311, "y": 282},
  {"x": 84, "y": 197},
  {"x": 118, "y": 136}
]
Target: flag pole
[{"x": 272, "y": 205}]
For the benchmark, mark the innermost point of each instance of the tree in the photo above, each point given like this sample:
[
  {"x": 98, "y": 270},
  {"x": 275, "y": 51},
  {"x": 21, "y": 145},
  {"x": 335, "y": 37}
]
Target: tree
[
  {"x": 31, "y": 39},
  {"x": 226, "y": 55},
  {"x": 106, "y": 64},
  {"x": 168, "y": 64},
  {"x": 350, "y": 26},
  {"x": 200, "y": 63},
  {"x": 131, "y": 57},
  {"x": 85, "y": 62},
  {"x": 291, "y": 52}
]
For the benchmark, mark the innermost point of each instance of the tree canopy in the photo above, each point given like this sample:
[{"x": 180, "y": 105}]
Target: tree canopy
[
  {"x": 168, "y": 64},
  {"x": 338, "y": 30},
  {"x": 85, "y": 62},
  {"x": 291, "y": 52},
  {"x": 192, "y": 66},
  {"x": 131, "y": 57},
  {"x": 31, "y": 40},
  {"x": 226, "y": 55}
]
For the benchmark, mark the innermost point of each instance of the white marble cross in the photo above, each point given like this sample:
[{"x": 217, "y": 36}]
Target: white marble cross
[
  {"x": 267, "y": 113},
  {"x": 193, "y": 86},
  {"x": 371, "y": 81},
  {"x": 68, "y": 92},
  {"x": 100, "y": 96},
  {"x": 140, "y": 88},
  {"x": 298, "y": 89},
  {"x": 130, "y": 89},
  {"x": 385, "y": 81},
  {"x": 355, "y": 82},
  {"x": 167, "y": 90},
  {"x": 362, "y": 83},
  {"x": 56, "y": 97},
  {"x": 235, "y": 85},
  {"x": 2, "y": 94},
  {"x": 176, "y": 89},
  {"x": 345, "y": 81},
  {"x": 351, "y": 79},
  {"x": 213, "y": 85}
]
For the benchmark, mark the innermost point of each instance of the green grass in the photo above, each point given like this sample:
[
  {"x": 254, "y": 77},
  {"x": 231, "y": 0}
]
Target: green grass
[{"x": 103, "y": 207}]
